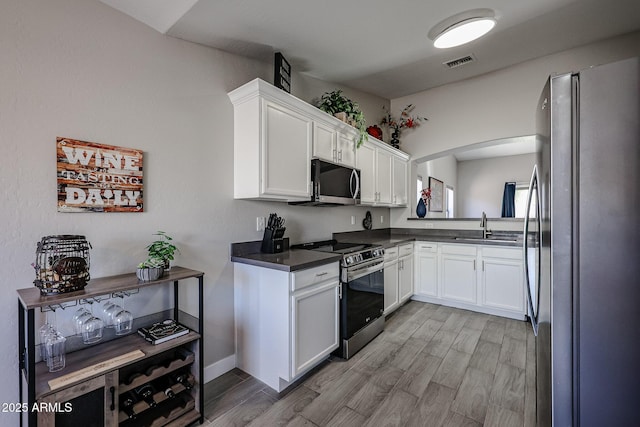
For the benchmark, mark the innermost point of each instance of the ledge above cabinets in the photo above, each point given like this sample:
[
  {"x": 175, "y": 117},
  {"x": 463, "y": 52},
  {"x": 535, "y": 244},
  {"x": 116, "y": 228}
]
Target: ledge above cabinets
[{"x": 276, "y": 135}]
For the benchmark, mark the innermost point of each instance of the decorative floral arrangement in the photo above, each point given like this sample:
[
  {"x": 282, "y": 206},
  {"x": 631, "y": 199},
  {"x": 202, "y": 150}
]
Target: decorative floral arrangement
[
  {"x": 406, "y": 121},
  {"x": 426, "y": 194}
]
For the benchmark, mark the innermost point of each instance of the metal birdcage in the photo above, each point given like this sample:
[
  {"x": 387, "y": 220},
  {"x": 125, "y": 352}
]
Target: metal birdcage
[{"x": 62, "y": 264}]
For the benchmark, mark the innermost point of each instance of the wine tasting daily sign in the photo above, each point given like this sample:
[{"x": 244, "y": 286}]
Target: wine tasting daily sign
[{"x": 96, "y": 177}]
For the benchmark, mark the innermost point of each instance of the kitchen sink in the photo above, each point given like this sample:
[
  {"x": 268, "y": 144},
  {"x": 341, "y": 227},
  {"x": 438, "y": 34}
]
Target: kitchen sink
[{"x": 489, "y": 239}]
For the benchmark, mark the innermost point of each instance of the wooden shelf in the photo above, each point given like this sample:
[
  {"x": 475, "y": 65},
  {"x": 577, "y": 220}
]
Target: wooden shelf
[
  {"x": 154, "y": 417},
  {"x": 159, "y": 397},
  {"x": 102, "y": 352},
  {"x": 157, "y": 373},
  {"x": 30, "y": 297}
]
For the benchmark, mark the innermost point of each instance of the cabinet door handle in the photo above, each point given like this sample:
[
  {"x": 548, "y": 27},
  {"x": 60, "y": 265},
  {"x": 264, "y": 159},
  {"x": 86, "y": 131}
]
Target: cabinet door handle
[
  {"x": 112, "y": 390},
  {"x": 483, "y": 265},
  {"x": 335, "y": 155},
  {"x": 340, "y": 291},
  {"x": 322, "y": 274},
  {"x": 474, "y": 264},
  {"x": 340, "y": 155}
]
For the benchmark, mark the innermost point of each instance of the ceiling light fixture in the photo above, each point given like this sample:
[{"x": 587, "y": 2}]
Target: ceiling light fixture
[{"x": 462, "y": 28}]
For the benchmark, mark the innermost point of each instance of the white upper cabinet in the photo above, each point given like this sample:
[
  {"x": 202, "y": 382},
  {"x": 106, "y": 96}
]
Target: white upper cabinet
[
  {"x": 399, "y": 197},
  {"x": 383, "y": 174},
  {"x": 366, "y": 162},
  {"x": 271, "y": 129},
  {"x": 324, "y": 141},
  {"x": 286, "y": 141},
  {"x": 337, "y": 146},
  {"x": 277, "y": 134},
  {"x": 346, "y": 148}
]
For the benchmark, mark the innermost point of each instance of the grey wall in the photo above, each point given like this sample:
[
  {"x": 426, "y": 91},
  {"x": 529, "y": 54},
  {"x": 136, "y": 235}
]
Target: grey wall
[
  {"x": 481, "y": 183},
  {"x": 79, "y": 69}
]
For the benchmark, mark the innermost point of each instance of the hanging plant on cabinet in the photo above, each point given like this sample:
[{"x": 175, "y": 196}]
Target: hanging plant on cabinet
[
  {"x": 406, "y": 121},
  {"x": 338, "y": 105}
]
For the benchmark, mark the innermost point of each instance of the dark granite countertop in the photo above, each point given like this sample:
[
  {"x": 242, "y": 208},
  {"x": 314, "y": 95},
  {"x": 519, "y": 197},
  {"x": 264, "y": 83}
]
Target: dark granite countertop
[
  {"x": 300, "y": 259},
  {"x": 288, "y": 260},
  {"x": 393, "y": 237}
]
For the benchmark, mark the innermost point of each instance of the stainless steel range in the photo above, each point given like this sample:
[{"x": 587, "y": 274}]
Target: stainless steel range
[{"x": 362, "y": 292}]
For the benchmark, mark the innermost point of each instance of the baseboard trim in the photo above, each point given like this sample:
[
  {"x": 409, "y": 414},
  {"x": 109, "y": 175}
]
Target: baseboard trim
[{"x": 218, "y": 368}]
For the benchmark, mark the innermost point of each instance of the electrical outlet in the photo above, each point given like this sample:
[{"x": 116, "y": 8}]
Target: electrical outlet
[
  {"x": 260, "y": 221},
  {"x": 353, "y": 220},
  {"x": 381, "y": 219},
  {"x": 428, "y": 225}
]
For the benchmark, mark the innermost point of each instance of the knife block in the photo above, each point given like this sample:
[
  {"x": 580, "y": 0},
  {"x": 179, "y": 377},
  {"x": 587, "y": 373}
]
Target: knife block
[{"x": 272, "y": 241}]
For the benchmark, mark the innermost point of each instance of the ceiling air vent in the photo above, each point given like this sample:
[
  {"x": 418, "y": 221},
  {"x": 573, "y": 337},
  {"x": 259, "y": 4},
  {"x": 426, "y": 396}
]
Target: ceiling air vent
[{"x": 459, "y": 61}]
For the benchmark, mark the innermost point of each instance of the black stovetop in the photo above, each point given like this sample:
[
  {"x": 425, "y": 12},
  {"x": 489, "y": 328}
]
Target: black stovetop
[{"x": 334, "y": 246}]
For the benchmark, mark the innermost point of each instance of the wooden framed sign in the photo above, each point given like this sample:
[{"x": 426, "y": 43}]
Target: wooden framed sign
[
  {"x": 96, "y": 177},
  {"x": 282, "y": 73}
]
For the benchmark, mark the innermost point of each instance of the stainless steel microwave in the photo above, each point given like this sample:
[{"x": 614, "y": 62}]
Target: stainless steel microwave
[{"x": 333, "y": 184}]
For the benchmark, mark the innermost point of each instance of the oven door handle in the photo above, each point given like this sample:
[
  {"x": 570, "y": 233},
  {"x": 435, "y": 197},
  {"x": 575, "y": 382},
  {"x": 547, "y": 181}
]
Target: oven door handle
[{"x": 363, "y": 271}]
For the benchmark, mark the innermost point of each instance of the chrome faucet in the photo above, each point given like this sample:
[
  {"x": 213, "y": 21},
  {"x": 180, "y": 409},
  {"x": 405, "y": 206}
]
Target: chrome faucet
[{"x": 483, "y": 223}]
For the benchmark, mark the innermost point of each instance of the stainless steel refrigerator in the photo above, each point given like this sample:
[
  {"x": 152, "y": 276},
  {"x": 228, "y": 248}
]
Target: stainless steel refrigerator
[{"x": 582, "y": 250}]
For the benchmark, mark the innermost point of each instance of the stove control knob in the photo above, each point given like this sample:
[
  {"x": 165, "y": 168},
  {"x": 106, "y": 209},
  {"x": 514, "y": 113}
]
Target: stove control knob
[
  {"x": 349, "y": 260},
  {"x": 359, "y": 258}
]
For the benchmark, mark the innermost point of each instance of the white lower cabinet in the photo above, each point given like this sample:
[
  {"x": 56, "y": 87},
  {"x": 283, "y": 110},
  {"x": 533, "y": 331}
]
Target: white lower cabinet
[
  {"x": 503, "y": 277},
  {"x": 398, "y": 276},
  {"x": 488, "y": 279},
  {"x": 313, "y": 337},
  {"x": 459, "y": 278},
  {"x": 426, "y": 269},
  {"x": 286, "y": 323},
  {"x": 391, "y": 296}
]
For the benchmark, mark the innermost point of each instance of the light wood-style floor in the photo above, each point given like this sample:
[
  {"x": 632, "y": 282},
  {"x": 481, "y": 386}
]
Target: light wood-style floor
[{"x": 432, "y": 366}]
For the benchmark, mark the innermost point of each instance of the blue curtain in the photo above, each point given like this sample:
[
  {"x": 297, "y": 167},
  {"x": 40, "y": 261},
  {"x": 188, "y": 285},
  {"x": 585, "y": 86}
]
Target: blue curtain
[{"x": 509, "y": 200}]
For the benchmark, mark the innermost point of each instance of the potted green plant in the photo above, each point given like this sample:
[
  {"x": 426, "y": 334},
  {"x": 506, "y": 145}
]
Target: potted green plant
[
  {"x": 150, "y": 269},
  {"x": 336, "y": 104},
  {"x": 163, "y": 249}
]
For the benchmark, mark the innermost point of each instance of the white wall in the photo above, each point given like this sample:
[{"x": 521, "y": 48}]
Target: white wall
[
  {"x": 492, "y": 106},
  {"x": 500, "y": 104},
  {"x": 79, "y": 69},
  {"x": 481, "y": 183},
  {"x": 443, "y": 169}
]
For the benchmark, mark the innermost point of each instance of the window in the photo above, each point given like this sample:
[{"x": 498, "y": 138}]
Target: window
[
  {"x": 419, "y": 187},
  {"x": 522, "y": 191},
  {"x": 448, "y": 202}
]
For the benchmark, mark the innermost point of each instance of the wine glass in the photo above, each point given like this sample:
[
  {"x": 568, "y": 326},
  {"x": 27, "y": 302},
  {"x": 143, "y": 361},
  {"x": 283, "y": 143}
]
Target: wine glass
[
  {"x": 79, "y": 318},
  {"x": 111, "y": 313},
  {"x": 55, "y": 352},
  {"x": 45, "y": 330},
  {"x": 106, "y": 318},
  {"x": 92, "y": 329},
  {"x": 123, "y": 321}
]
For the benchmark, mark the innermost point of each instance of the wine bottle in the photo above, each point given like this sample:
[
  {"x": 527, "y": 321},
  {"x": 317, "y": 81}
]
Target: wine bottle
[
  {"x": 164, "y": 384},
  {"x": 128, "y": 400},
  {"x": 145, "y": 392},
  {"x": 183, "y": 378}
]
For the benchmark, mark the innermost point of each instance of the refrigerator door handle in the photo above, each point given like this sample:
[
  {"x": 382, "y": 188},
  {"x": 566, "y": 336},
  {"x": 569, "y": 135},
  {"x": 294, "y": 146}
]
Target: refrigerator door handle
[{"x": 533, "y": 185}]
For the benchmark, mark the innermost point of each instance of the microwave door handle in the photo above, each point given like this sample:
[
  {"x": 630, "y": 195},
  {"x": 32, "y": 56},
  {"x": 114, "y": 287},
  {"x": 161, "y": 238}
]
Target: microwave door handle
[{"x": 354, "y": 193}]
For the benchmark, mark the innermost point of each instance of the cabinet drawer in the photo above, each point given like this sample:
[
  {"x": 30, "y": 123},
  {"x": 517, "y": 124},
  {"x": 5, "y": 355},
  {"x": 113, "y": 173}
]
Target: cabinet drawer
[
  {"x": 497, "y": 252},
  {"x": 302, "y": 279},
  {"x": 405, "y": 249},
  {"x": 390, "y": 254},
  {"x": 427, "y": 247},
  {"x": 459, "y": 249}
]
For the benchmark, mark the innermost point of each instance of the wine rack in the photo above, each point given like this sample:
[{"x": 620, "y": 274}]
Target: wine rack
[
  {"x": 156, "y": 390},
  {"x": 112, "y": 378}
]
